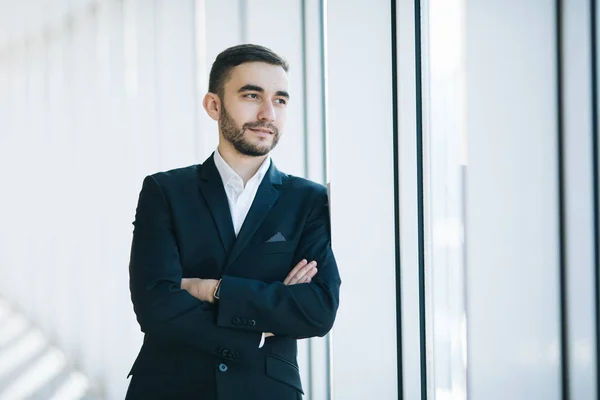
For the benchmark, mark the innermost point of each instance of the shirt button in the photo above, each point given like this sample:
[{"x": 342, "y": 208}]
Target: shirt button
[{"x": 222, "y": 367}]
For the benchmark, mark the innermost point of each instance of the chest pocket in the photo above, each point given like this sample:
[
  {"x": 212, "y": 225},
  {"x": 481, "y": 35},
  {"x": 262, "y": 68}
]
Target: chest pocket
[
  {"x": 276, "y": 247},
  {"x": 270, "y": 261}
]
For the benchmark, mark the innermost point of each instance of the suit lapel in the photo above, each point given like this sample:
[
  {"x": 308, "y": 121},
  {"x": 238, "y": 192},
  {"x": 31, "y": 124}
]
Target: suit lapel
[
  {"x": 266, "y": 196},
  {"x": 211, "y": 187}
]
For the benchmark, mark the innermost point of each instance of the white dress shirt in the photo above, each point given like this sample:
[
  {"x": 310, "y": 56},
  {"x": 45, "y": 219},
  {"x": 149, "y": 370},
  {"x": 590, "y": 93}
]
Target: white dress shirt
[{"x": 240, "y": 198}]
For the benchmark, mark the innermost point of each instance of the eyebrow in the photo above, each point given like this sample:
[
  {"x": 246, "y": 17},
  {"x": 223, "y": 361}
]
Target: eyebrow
[{"x": 254, "y": 88}]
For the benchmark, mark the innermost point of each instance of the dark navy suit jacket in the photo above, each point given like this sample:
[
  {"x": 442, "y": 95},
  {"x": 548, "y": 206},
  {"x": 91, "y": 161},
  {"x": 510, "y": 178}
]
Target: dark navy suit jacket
[{"x": 197, "y": 350}]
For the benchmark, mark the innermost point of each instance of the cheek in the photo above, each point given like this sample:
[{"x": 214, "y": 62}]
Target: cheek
[
  {"x": 281, "y": 119},
  {"x": 243, "y": 112}
]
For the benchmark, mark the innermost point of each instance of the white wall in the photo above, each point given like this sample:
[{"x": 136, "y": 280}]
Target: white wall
[{"x": 93, "y": 99}]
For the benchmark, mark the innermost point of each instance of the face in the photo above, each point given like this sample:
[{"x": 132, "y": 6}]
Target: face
[{"x": 254, "y": 108}]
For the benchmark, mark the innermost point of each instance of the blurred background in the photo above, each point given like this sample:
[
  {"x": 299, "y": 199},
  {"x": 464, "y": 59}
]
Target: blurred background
[{"x": 458, "y": 138}]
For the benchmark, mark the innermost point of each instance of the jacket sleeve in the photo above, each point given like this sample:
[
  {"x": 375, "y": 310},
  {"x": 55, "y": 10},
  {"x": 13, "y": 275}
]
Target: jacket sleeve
[
  {"x": 299, "y": 311},
  {"x": 162, "y": 308}
]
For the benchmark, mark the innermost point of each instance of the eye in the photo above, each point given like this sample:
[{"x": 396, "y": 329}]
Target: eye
[
  {"x": 251, "y": 96},
  {"x": 281, "y": 101}
]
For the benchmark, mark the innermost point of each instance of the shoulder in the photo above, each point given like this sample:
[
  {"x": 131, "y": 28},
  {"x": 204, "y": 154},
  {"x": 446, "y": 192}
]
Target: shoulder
[
  {"x": 305, "y": 187},
  {"x": 176, "y": 176},
  {"x": 299, "y": 183},
  {"x": 174, "y": 181}
]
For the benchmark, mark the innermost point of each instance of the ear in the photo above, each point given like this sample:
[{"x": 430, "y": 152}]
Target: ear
[{"x": 212, "y": 105}]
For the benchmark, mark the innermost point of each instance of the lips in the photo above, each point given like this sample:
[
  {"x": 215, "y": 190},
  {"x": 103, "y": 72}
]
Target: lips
[{"x": 261, "y": 130}]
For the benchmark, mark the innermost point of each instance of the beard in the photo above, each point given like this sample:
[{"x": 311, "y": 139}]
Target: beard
[{"x": 235, "y": 135}]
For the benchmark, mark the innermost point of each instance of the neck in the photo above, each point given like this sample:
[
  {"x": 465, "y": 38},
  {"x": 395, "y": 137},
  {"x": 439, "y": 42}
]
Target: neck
[{"x": 243, "y": 165}]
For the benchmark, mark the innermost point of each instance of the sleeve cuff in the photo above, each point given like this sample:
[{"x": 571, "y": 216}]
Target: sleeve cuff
[{"x": 262, "y": 341}]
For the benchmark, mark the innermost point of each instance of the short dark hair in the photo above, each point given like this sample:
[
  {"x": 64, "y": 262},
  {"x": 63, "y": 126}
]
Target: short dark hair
[{"x": 236, "y": 55}]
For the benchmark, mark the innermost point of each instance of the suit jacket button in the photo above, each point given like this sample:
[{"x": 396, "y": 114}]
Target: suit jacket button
[
  {"x": 252, "y": 322},
  {"x": 225, "y": 353},
  {"x": 222, "y": 367},
  {"x": 236, "y": 321}
]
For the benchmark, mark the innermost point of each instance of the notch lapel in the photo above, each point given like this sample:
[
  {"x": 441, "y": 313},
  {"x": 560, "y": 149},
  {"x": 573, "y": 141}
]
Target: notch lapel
[
  {"x": 266, "y": 197},
  {"x": 211, "y": 187}
]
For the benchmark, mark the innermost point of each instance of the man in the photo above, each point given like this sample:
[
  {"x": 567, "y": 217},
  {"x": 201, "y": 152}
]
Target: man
[{"x": 231, "y": 260}]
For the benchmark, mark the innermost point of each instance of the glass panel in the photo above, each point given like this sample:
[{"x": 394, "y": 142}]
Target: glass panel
[
  {"x": 596, "y": 104},
  {"x": 444, "y": 164}
]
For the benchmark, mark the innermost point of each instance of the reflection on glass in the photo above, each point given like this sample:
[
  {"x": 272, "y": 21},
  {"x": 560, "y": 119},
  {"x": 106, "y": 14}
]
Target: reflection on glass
[{"x": 444, "y": 147}]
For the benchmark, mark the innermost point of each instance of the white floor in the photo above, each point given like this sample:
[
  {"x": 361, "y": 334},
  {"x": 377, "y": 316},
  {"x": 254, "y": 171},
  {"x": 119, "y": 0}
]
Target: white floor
[{"x": 31, "y": 367}]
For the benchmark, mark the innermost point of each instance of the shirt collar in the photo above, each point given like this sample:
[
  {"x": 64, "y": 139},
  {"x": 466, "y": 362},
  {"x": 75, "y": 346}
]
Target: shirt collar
[{"x": 230, "y": 177}]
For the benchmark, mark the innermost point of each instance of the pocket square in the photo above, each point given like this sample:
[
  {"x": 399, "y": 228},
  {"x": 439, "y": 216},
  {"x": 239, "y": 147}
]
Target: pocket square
[{"x": 278, "y": 237}]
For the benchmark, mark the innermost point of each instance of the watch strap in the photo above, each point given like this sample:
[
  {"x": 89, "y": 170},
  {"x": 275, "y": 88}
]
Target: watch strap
[{"x": 217, "y": 292}]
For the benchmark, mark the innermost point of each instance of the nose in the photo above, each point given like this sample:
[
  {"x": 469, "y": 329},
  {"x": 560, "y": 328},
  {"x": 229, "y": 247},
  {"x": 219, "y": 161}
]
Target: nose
[{"x": 267, "y": 112}]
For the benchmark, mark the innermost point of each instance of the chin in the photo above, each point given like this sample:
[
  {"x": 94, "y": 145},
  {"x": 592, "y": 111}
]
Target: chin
[
  {"x": 263, "y": 149},
  {"x": 262, "y": 142}
]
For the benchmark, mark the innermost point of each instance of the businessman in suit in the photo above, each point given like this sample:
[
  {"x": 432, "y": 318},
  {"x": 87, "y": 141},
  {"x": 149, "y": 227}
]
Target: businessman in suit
[{"x": 231, "y": 260}]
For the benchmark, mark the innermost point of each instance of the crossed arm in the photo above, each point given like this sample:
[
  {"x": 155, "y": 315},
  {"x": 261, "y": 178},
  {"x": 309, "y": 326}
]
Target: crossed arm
[
  {"x": 286, "y": 308},
  {"x": 205, "y": 289},
  {"x": 163, "y": 309}
]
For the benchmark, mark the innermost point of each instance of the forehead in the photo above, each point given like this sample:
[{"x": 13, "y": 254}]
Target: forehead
[{"x": 270, "y": 77}]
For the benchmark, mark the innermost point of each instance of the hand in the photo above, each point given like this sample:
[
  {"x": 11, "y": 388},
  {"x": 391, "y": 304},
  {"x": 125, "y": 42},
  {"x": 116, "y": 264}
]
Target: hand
[
  {"x": 303, "y": 272},
  {"x": 202, "y": 289}
]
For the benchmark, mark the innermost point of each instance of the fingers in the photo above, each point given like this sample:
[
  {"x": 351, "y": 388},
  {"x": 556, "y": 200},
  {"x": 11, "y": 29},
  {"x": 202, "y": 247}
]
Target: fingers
[
  {"x": 185, "y": 282},
  {"x": 309, "y": 270},
  {"x": 309, "y": 274},
  {"x": 308, "y": 277},
  {"x": 303, "y": 272},
  {"x": 293, "y": 272}
]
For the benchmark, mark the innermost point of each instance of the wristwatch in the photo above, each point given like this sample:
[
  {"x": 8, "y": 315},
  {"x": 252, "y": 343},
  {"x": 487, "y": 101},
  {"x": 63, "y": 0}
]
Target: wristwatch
[{"x": 217, "y": 292}]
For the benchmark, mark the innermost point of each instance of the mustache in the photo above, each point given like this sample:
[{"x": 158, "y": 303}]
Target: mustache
[{"x": 263, "y": 125}]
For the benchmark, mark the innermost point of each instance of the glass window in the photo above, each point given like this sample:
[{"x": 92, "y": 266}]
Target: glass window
[{"x": 444, "y": 165}]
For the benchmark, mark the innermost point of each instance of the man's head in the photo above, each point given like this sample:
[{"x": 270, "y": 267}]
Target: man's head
[{"x": 248, "y": 95}]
